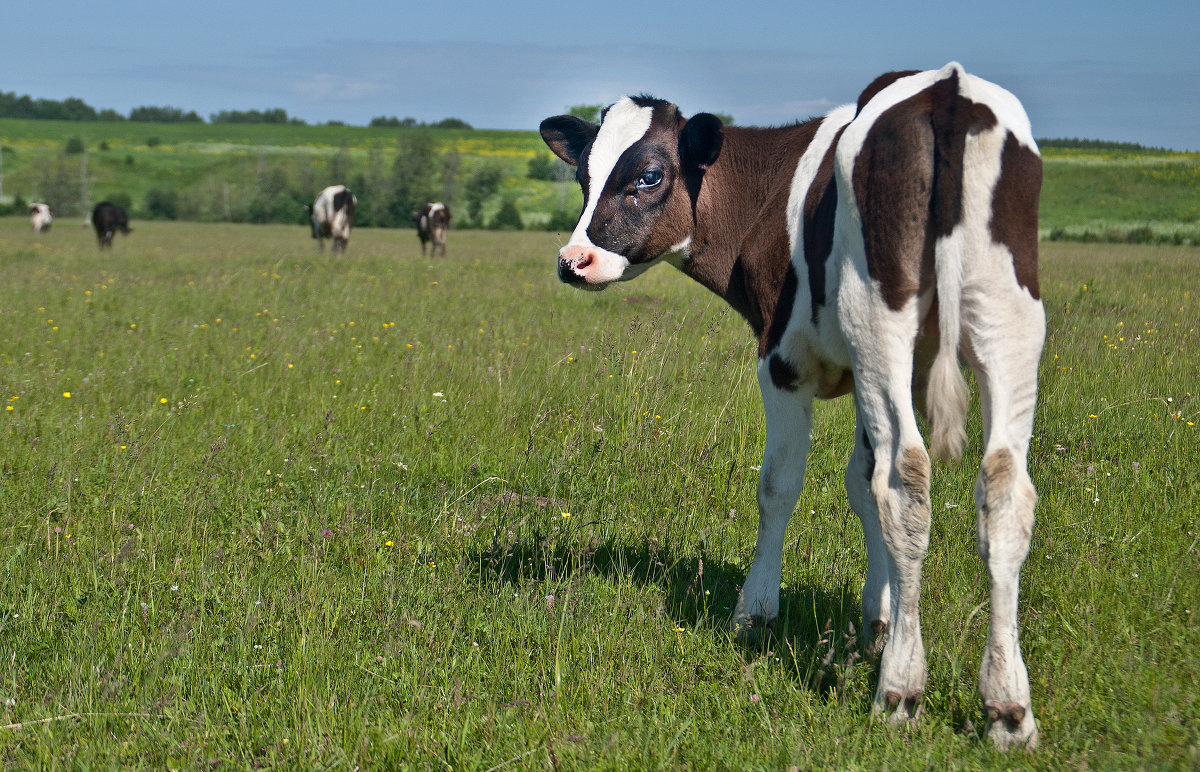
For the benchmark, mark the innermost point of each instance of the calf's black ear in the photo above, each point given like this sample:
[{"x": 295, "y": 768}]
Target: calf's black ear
[
  {"x": 568, "y": 136},
  {"x": 700, "y": 141}
]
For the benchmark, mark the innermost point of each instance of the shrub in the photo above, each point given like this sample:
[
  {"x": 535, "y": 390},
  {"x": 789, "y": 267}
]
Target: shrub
[
  {"x": 508, "y": 218},
  {"x": 586, "y": 112},
  {"x": 480, "y": 186},
  {"x": 74, "y": 145},
  {"x": 562, "y": 221},
  {"x": 153, "y": 142},
  {"x": 122, "y": 200},
  {"x": 541, "y": 167},
  {"x": 162, "y": 204}
]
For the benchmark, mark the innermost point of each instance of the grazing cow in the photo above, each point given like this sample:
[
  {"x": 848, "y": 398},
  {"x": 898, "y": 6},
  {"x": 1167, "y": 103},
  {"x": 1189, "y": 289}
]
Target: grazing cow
[
  {"x": 432, "y": 223},
  {"x": 867, "y": 249},
  {"x": 332, "y": 215},
  {"x": 40, "y": 217},
  {"x": 107, "y": 219}
]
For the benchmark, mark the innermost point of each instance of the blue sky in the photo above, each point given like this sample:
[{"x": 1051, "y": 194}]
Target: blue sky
[{"x": 1128, "y": 72}]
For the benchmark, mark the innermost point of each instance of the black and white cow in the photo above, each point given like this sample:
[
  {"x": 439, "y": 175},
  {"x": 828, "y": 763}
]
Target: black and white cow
[
  {"x": 40, "y": 217},
  {"x": 432, "y": 223},
  {"x": 332, "y": 215},
  {"x": 107, "y": 219},
  {"x": 867, "y": 249}
]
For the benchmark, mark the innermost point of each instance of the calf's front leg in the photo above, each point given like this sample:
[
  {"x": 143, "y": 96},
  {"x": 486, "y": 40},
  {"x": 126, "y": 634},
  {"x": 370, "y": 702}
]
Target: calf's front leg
[{"x": 789, "y": 425}]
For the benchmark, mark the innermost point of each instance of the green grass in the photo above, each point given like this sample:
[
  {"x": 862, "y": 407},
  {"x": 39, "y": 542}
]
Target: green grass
[
  {"x": 306, "y": 511},
  {"x": 1103, "y": 195}
]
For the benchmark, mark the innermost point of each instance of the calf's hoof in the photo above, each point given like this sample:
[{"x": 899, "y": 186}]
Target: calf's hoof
[
  {"x": 752, "y": 630},
  {"x": 1011, "y": 725},
  {"x": 898, "y": 707}
]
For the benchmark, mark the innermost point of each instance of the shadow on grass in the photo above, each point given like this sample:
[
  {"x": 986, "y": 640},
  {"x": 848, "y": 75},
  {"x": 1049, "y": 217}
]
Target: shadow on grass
[{"x": 814, "y": 634}]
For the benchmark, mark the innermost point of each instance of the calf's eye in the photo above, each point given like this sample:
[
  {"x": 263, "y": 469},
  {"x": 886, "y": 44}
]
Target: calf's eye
[{"x": 649, "y": 179}]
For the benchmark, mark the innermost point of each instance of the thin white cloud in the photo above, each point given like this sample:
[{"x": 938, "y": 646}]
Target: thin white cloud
[{"x": 327, "y": 87}]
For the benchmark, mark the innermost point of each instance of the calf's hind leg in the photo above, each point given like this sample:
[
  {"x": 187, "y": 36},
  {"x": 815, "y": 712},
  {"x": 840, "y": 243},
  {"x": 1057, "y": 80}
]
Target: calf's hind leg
[
  {"x": 1005, "y": 367},
  {"x": 897, "y": 494}
]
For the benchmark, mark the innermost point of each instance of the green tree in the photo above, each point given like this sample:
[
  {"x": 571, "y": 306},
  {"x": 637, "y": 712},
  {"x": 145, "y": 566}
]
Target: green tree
[
  {"x": 414, "y": 181},
  {"x": 586, "y": 112},
  {"x": 508, "y": 218},
  {"x": 162, "y": 204},
  {"x": 339, "y": 168},
  {"x": 480, "y": 186},
  {"x": 543, "y": 167},
  {"x": 60, "y": 187}
]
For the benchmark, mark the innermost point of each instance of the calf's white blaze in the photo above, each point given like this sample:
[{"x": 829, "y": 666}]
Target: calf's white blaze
[{"x": 624, "y": 124}]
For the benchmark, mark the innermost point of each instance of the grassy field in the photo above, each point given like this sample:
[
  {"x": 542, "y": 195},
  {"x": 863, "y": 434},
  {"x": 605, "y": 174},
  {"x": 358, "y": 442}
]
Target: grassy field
[
  {"x": 265, "y": 507},
  {"x": 1143, "y": 196}
]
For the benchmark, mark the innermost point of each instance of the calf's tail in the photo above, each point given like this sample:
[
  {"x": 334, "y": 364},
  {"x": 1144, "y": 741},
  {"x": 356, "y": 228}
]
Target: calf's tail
[{"x": 946, "y": 393}]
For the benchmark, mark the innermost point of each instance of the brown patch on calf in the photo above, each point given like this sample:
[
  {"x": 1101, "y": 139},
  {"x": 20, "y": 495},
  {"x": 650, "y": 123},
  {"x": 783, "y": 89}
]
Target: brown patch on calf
[
  {"x": 879, "y": 84},
  {"x": 893, "y": 186},
  {"x": 997, "y": 469},
  {"x": 914, "y": 471},
  {"x": 820, "y": 213},
  {"x": 741, "y": 226},
  {"x": 869, "y": 455},
  {"x": 913, "y": 468},
  {"x": 996, "y": 479},
  {"x": 1015, "y": 210},
  {"x": 783, "y": 308},
  {"x": 783, "y": 375},
  {"x": 905, "y": 523},
  {"x": 908, "y": 181}
]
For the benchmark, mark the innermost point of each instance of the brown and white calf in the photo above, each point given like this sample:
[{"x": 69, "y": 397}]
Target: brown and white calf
[
  {"x": 867, "y": 249},
  {"x": 40, "y": 217},
  {"x": 432, "y": 223},
  {"x": 332, "y": 215}
]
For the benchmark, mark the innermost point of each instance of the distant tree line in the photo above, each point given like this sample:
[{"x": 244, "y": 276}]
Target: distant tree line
[
  {"x": 277, "y": 115},
  {"x": 1096, "y": 144},
  {"x": 163, "y": 115},
  {"x": 71, "y": 109},
  {"x": 392, "y": 122},
  {"x": 74, "y": 109}
]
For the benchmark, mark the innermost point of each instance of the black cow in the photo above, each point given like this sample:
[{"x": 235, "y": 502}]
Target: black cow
[{"x": 107, "y": 219}]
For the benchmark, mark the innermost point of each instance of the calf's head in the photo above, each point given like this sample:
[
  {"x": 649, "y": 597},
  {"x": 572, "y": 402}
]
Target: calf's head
[{"x": 640, "y": 171}]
